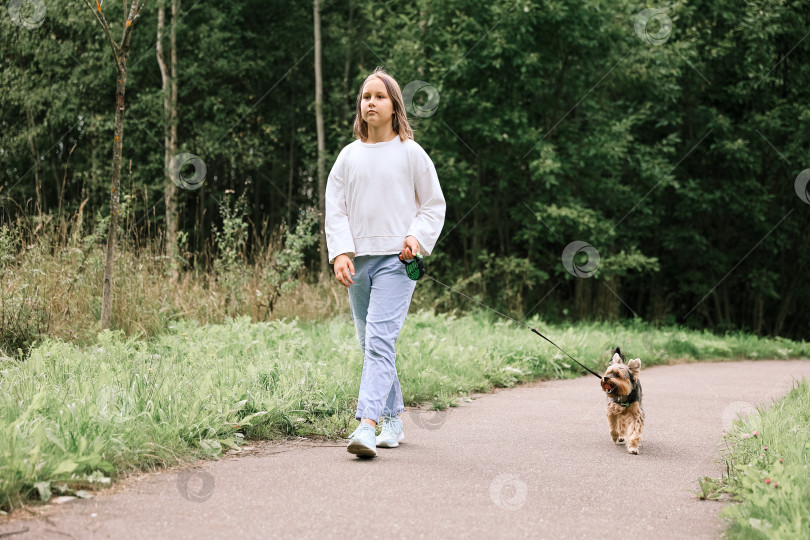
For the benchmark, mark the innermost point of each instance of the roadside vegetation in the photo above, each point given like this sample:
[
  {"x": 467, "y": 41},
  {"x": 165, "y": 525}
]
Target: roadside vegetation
[
  {"x": 768, "y": 471},
  {"x": 74, "y": 416}
]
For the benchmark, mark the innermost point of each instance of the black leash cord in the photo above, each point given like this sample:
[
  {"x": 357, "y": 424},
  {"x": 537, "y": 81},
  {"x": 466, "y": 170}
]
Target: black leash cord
[
  {"x": 517, "y": 322},
  {"x": 566, "y": 354}
]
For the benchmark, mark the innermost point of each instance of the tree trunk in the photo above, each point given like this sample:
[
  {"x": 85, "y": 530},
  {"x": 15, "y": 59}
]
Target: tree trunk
[
  {"x": 64, "y": 179},
  {"x": 583, "y": 298},
  {"x": 787, "y": 295},
  {"x": 347, "y": 109},
  {"x": 717, "y": 308},
  {"x": 118, "y": 141},
  {"x": 656, "y": 303},
  {"x": 477, "y": 241},
  {"x": 120, "y": 54},
  {"x": 607, "y": 305},
  {"x": 199, "y": 239},
  {"x": 171, "y": 225},
  {"x": 169, "y": 77},
  {"x": 784, "y": 304},
  {"x": 291, "y": 176},
  {"x": 37, "y": 181},
  {"x": 727, "y": 313},
  {"x": 321, "y": 144},
  {"x": 34, "y": 155},
  {"x": 756, "y": 322}
]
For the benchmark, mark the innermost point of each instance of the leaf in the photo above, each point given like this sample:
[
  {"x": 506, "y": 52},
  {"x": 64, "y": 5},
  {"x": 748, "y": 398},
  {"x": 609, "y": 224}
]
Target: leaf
[
  {"x": 211, "y": 447},
  {"x": 238, "y": 407},
  {"x": 66, "y": 466},
  {"x": 97, "y": 477},
  {"x": 230, "y": 443},
  {"x": 246, "y": 420},
  {"x": 44, "y": 489}
]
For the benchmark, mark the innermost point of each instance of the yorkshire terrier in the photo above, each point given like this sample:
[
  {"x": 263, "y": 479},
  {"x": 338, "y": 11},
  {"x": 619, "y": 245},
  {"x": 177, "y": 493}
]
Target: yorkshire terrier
[{"x": 623, "y": 388}]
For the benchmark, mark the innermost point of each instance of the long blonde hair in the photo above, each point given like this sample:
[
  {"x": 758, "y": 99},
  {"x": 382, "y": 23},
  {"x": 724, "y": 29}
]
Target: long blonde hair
[{"x": 399, "y": 121}]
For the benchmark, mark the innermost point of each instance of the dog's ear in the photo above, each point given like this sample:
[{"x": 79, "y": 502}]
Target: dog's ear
[
  {"x": 617, "y": 358},
  {"x": 634, "y": 365}
]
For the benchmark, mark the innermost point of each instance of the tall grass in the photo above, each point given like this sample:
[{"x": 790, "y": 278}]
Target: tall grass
[
  {"x": 768, "y": 456},
  {"x": 210, "y": 352},
  {"x": 51, "y": 274},
  {"x": 74, "y": 415}
]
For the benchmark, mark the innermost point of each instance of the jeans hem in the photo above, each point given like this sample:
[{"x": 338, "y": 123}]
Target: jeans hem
[
  {"x": 359, "y": 416},
  {"x": 398, "y": 413}
]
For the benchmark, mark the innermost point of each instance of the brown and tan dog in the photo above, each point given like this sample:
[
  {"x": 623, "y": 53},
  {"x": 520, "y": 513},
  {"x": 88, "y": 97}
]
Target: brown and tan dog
[{"x": 623, "y": 388}]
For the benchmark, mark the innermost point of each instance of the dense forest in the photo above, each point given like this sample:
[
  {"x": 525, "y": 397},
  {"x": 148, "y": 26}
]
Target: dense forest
[{"x": 667, "y": 142}]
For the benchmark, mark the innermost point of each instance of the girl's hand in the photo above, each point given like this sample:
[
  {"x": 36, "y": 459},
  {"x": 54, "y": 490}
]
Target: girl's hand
[
  {"x": 410, "y": 247},
  {"x": 344, "y": 270}
]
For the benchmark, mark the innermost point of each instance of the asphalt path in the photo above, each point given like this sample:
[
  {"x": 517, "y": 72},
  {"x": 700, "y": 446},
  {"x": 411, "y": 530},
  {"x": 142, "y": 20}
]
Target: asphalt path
[{"x": 534, "y": 461}]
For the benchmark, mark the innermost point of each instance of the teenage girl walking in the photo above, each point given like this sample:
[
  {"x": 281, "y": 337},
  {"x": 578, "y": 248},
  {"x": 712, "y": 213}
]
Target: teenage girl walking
[{"x": 383, "y": 206}]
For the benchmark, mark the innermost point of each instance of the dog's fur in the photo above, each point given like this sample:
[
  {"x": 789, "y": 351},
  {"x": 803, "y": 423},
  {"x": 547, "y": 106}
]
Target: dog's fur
[{"x": 623, "y": 388}]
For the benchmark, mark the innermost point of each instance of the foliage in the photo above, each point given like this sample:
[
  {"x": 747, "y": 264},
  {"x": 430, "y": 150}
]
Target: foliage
[
  {"x": 49, "y": 282},
  {"x": 72, "y": 415},
  {"x": 767, "y": 457},
  {"x": 556, "y": 122},
  {"x": 230, "y": 241}
]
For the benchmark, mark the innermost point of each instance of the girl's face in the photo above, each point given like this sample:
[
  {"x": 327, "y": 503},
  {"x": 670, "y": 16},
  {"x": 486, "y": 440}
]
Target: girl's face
[{"x": 376, "y": 106}]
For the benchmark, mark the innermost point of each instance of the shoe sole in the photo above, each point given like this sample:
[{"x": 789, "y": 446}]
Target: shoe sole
[
  {"x": 384, "y": 444},
  {"x": 361, "y": 450}
]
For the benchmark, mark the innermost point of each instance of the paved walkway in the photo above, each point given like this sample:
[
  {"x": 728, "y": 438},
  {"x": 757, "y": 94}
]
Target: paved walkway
[{"x": 535, "y": 461}]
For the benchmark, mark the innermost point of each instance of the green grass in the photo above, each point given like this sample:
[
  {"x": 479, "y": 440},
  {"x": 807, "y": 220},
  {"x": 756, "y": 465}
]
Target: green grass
[
  {"x": 768, "y": 456},
  {"x": 73, "y": 417}
]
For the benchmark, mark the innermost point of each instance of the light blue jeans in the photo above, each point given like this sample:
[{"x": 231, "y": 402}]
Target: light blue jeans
[{"x": 379, "y": 300}]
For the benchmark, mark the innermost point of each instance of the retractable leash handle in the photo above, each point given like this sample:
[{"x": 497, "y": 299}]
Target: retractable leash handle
[{"x": 415, "y": 268}]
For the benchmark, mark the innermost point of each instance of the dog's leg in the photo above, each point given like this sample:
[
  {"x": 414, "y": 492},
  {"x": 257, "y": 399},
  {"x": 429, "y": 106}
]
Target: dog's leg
[
  {"x": 634, "y": 436},
  {"x": 615, "y": 426}
]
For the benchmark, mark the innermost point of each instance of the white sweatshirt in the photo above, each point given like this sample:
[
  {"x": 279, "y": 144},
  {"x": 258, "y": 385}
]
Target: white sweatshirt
[{"x": 377, "y": 194}]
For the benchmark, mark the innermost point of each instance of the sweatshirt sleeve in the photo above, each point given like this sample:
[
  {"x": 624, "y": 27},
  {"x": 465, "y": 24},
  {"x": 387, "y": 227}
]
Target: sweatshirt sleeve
[
  {"x": 428, "y": 223},
  {"x": 339, "y": 238}
]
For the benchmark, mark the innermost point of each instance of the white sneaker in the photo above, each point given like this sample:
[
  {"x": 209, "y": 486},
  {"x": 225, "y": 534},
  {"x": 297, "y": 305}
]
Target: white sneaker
[
  {"x": 361, "y": 442},
  {"x": 391, "y": 434}
]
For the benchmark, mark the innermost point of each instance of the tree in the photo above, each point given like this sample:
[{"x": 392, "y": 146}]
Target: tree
[
  {"x": 675, "y": 160},
  {"x": 120, "y": 54},
  {"x": 321, "y": 144},
  {"x": 169, "y": 79}
]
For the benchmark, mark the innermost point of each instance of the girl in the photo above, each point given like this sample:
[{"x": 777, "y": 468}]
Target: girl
[{"x": 383, "y": 206}]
